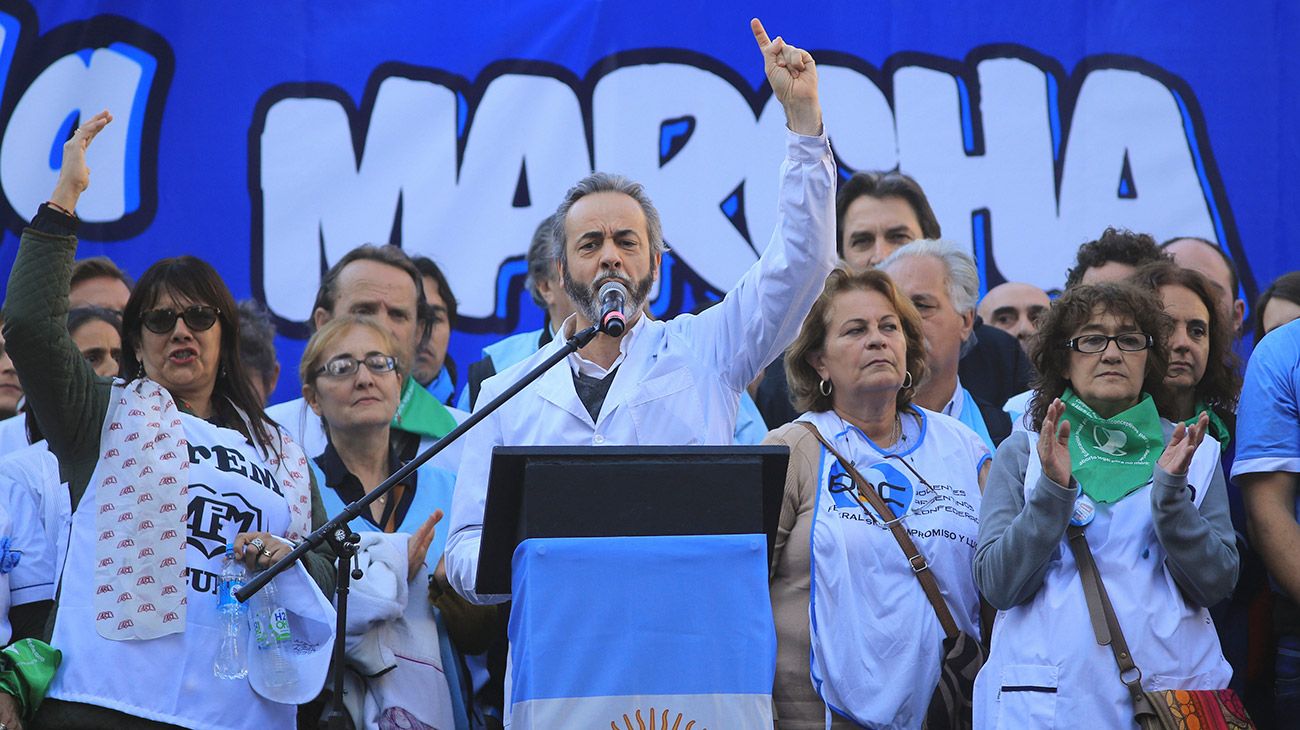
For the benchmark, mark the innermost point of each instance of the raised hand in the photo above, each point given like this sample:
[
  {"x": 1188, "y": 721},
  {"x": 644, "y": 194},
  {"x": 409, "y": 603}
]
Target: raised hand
[
  {"x": 74, "y": 175},
  {"x": 418, "y": 546},
  {"x": 1182, "y": 445},
  {"x": 793, "y": 76},
  {"x": 1054, "y": 444}
]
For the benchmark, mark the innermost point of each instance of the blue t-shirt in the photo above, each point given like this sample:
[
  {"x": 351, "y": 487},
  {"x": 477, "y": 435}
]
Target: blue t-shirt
[{"x": 1268, "y": 417}]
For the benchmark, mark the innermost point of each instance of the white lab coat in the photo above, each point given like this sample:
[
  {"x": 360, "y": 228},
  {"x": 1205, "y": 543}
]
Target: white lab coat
[{"x": 680, "y": 381}]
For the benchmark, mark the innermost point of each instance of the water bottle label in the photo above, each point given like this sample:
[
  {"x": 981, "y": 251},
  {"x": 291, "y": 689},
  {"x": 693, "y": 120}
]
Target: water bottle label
[
  {"x": 280, "y": 624},
  {"x": 260, "y": 634},
  {"x": 226, "y": 600}
]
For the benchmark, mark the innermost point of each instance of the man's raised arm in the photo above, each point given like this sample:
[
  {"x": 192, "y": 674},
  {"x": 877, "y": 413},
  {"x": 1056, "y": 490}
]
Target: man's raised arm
[{"x": 762, "y": 314}]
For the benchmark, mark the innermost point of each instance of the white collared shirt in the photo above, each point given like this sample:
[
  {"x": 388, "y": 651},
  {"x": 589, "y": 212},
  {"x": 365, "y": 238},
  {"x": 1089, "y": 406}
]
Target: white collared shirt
[
  {"x": 956, "y": 403},
  {"x": 585, "y": 367}
]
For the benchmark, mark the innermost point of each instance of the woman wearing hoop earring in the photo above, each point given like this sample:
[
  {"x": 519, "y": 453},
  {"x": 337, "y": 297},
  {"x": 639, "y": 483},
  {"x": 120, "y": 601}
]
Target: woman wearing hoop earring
[{"x": 856, "y": 632}]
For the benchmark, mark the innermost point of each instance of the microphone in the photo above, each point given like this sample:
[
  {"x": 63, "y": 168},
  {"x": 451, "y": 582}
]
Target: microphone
[{"x": 613, "y": 299}]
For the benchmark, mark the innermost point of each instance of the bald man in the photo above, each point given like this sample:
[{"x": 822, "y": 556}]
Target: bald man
[
  {"x": 1014, "y": 308},
  {"x": 1201, "y": 255}
]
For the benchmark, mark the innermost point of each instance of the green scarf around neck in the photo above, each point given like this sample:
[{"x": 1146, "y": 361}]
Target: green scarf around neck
[
  {"x": 1113, "y": 457},
  {"x": 420, "y": 413},
  {"x": 1218, "y": 429}
]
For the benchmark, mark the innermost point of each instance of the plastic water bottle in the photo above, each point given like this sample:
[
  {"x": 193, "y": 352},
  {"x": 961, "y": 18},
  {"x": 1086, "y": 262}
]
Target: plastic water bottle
[
  {"x": 232, "y": 662},
  {"x": 271, "y": 632}
]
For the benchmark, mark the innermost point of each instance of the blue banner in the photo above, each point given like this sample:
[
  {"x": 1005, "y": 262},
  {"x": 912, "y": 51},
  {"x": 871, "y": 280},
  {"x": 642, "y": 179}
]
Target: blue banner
[{"x": 270, "y": 138}]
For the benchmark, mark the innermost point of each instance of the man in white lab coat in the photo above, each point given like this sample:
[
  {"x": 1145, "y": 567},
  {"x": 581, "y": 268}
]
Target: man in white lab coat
[{"x": 676, "y": 382}]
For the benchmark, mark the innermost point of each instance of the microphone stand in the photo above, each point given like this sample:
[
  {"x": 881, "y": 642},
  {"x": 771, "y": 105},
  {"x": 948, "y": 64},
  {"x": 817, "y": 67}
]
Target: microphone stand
[{"x": 344, "y": 541}]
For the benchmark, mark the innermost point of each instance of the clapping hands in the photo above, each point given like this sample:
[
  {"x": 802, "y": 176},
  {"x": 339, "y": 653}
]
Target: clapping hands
[
  {"x": 1182, "y": 445},
  {"x": 1054, "y": 444}
]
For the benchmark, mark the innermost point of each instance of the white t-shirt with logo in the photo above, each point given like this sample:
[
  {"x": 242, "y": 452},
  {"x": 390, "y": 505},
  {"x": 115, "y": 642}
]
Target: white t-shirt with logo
[
  {"x": 876, "y": 640},
  {"x": 170, "y": 679}
]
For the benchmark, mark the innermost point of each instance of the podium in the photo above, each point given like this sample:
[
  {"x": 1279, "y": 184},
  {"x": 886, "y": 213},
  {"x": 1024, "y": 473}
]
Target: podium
[{"x": 639, "y": 580}]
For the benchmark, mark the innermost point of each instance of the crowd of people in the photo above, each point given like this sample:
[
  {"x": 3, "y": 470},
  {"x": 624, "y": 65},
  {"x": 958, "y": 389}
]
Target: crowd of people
[{"x": 971, "y": 472}]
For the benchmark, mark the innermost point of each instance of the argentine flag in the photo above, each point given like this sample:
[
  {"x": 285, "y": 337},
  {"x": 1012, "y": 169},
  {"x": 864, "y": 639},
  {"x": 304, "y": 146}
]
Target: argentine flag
[{"x": 642, "y": 633}]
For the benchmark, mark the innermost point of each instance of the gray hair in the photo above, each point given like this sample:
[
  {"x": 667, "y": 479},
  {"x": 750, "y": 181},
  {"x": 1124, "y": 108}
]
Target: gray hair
[
  {"x": 604, "y": 182},
  {"x": 541, "y": 259},
  {"x": 963, "y": 277}
]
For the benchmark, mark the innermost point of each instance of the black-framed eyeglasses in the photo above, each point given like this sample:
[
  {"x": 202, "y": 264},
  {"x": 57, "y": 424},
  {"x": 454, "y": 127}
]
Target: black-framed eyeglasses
[
  {"x": 1128, "y": 342},
  {"x": 198, "y": 317},
  {"x": 344, "y": 366}
]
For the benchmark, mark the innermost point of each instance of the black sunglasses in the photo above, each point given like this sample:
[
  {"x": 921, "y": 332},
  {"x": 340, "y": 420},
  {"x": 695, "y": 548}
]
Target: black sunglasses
[{"x": 198, "y": 317}]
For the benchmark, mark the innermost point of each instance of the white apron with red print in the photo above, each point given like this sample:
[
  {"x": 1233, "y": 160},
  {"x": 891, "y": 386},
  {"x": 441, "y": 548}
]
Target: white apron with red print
[{"x": 231, "y": 489}]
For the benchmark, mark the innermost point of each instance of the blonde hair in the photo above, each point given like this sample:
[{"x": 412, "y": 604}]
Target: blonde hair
[
  {"x": 332, "y": 332},
  {"x": 805, "y": 383}
]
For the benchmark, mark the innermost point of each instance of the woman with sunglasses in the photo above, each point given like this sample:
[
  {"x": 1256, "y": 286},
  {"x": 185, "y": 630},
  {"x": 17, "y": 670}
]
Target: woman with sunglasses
[
  {"x": 165, "y": 467},
  {"x": 1149, "y": 498},
  {"x": 857, "y": 639},
  {"x": 352, "y": 380}
]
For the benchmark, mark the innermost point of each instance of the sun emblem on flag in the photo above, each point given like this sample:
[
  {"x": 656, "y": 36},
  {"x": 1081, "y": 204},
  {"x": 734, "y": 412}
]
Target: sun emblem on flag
[{"x": 662, "y": 723}]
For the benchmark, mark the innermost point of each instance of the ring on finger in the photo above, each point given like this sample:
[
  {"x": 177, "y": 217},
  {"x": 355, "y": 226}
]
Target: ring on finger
[{"x": 258, "y": 543}]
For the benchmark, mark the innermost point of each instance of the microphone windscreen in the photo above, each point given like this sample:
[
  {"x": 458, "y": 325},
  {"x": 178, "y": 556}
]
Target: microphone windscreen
[{"x": 610, "y": 287}]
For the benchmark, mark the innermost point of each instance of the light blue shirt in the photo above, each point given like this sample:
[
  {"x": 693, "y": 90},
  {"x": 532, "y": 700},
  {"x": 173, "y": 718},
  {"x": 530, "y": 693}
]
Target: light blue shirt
[{"x": 1268, "y": 431}]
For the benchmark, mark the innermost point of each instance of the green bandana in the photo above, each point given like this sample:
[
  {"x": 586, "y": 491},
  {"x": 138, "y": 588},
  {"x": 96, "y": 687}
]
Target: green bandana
[
  {"x": 1218, "y": 429},
  {"x": 26, "y": 670},
  {"x": 1112, "y": 457},
  {"x": 420, "y": 413}
]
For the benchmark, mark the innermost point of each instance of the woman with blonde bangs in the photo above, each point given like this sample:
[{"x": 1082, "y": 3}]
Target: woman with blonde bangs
[
  {"x": 858, "y": 642},
  {"x": 352, "y": 379}
]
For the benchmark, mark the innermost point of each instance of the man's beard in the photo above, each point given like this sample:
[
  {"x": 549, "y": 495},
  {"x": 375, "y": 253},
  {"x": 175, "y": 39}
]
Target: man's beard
[{"x": 584, "y": 295}]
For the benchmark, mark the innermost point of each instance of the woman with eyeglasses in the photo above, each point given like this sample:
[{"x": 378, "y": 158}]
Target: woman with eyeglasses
[
  {"x": 403, "y": 666},
  {"x": 858, "y": 641},
  {"x": 1148, "y": 500},
  {"x": 165, "y": 466}
]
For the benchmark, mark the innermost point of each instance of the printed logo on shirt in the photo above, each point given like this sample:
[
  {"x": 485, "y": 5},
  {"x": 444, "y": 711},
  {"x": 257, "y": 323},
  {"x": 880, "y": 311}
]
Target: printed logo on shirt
[
  {"x": 213, "y": 517},
  {"x": 894, "y": 487}
]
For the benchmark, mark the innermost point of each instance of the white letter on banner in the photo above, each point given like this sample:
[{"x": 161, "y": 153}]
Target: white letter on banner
[
  {"x": 314, "y": 191},
  {"x": 1014, "y": 177},
  {"x": 855, "y": 113},
  {"x": 526, "y": 135},
  {"x": 1118, "y": 113},
  {"x": 82, "y": 84},
  {"x": 630, "y": 107},
  {"x": 858, "y": 117}
]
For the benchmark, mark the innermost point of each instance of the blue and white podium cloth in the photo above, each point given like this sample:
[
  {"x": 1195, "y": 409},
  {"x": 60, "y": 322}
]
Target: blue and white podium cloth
[{"x": 642, "y": 632}]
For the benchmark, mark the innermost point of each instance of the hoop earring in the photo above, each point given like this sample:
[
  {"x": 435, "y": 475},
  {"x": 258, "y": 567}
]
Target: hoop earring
[
  {"x": 907, "y": 382},
  {"x": 825, "y": 387}
]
